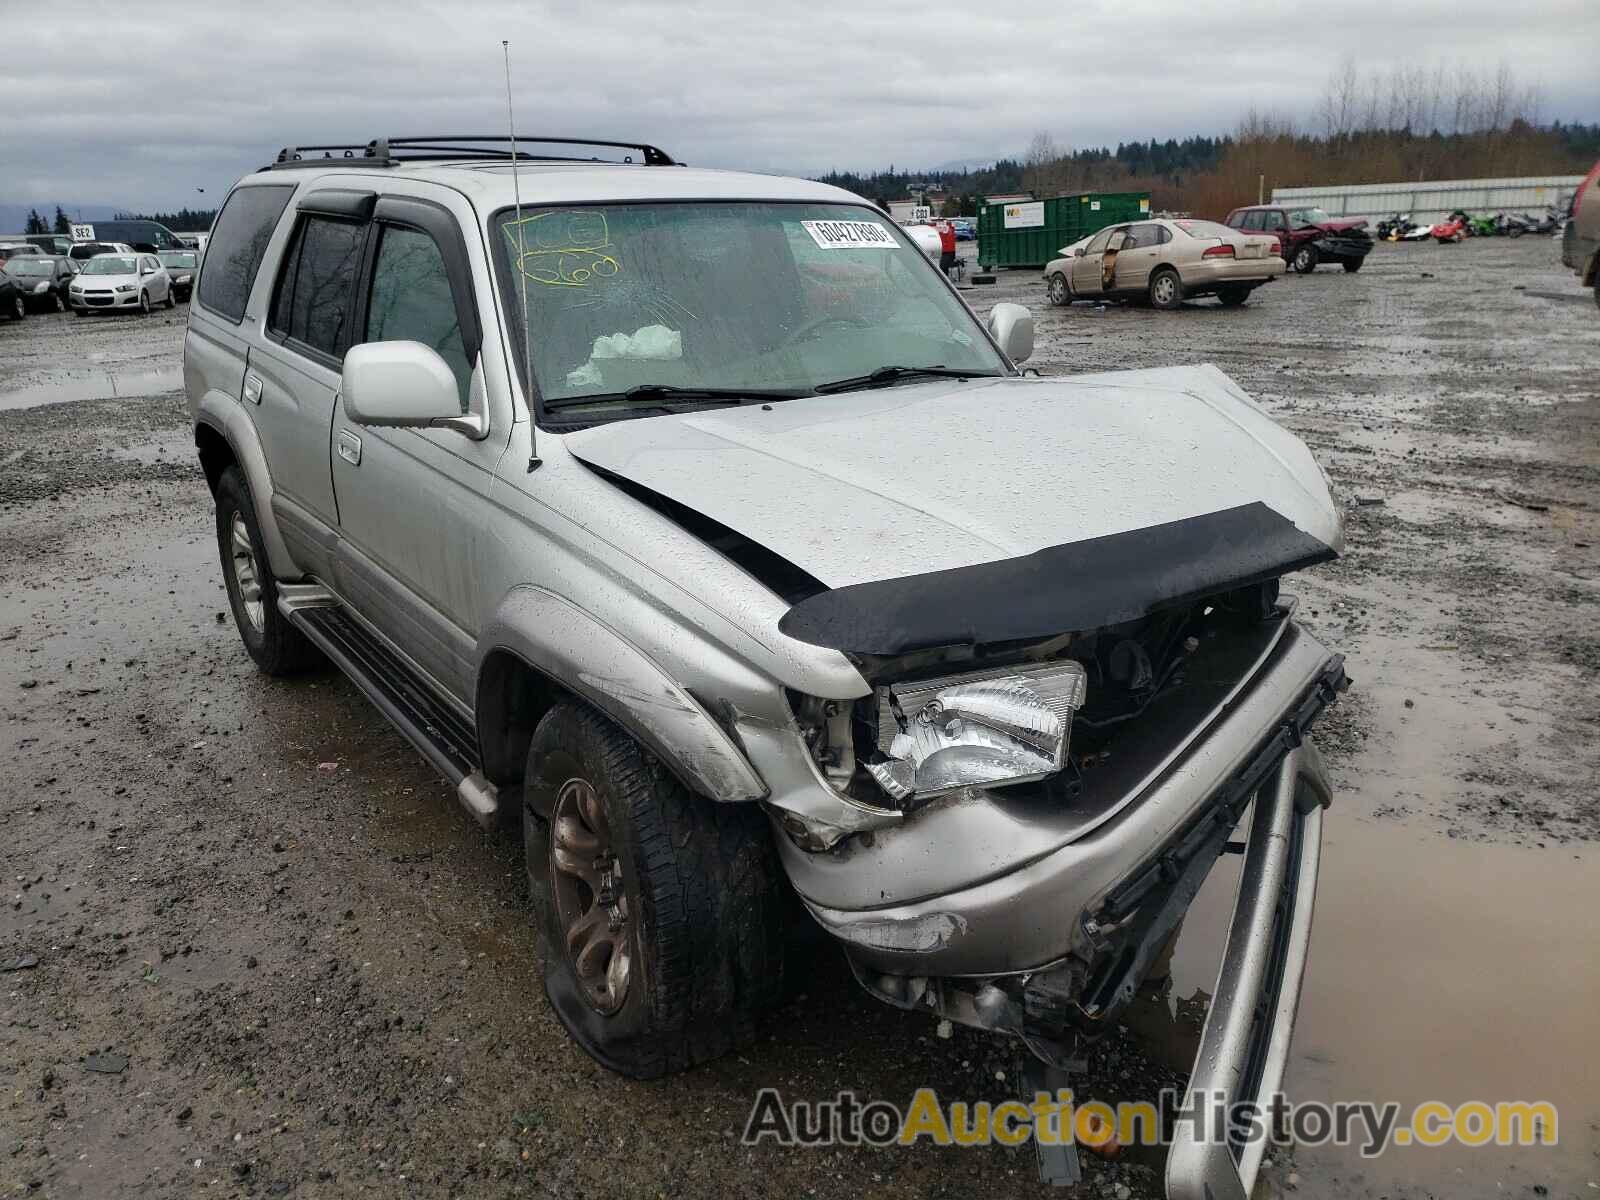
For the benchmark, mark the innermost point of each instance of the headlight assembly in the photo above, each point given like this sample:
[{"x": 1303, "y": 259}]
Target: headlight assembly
[
  {"x": 981, "y": 729},
  {"x": 126, "y": 287}
]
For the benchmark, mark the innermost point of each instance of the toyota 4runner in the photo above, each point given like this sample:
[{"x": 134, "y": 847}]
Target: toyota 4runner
[{"x": 692, "y": 523}]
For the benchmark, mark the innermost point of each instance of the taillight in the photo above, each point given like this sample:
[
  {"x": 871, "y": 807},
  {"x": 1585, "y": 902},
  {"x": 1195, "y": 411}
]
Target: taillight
[
  {"x": 1222, "y": 251},
  {"x": 1277, "y": 247}
]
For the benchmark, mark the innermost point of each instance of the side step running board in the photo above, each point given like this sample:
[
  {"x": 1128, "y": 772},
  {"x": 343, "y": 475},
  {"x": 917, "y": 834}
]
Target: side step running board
[{"x": 438, "y": 731}]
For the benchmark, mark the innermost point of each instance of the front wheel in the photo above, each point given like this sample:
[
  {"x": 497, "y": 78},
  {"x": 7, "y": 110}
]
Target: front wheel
[
  {"x": 1166, "y": 290},
  {"x": 1060, "y": 292},
  {"x": 1233, "y": 297},
  {"x": 17, "y": 307},
  {"x": 1516, "y": 231},
  {"x": 61, "y": 305},
  {"x": 277, "y": 646},
  {"x": 1352, "y": 265},
  {"x": 1305, "y": 259},
  {"x": 659, "y": 913},
  {"x": 144, "y": 304}
]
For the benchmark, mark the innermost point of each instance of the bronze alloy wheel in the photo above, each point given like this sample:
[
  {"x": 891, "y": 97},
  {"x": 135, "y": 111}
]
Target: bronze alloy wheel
[{"x": 591, "y": 903}]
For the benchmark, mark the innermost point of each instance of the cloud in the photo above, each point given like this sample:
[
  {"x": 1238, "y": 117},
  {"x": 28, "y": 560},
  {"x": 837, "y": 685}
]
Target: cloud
[{"x": 150, "y": 104}]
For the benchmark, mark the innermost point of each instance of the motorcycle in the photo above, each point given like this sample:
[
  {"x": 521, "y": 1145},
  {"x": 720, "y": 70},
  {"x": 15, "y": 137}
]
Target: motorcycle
[
  {"x": 1481, "y": 226},
  {"x": 1452, "y": 229},
  {"x": 1520, "y": 223},
  {"x": 1395, "y": 227}
]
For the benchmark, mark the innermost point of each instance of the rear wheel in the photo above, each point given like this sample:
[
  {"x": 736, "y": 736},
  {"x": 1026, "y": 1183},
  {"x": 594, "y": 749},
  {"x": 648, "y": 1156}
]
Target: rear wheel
[
  {"x": 170, "y": 302},
  {"x": 659, "y": 913},
  {"x": 277, "y": 646},
  {"x": 1305, "y": 259},
  {"x": 1352, "y": 265},
  {"x": 1234, "y": 296},
  {"x": 1166, "y": 289},
  {"x": 1060, "y": 292}
]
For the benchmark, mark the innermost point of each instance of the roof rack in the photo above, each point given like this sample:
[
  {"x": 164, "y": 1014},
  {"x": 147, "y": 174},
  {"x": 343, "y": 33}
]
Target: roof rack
[{"x": 387, "y": 152}]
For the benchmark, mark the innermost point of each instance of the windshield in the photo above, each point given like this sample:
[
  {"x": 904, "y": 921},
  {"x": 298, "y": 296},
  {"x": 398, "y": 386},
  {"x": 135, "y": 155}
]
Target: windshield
[
  {"x": 1308, "y": 216},
  {"x": 30, "y": 265},
  {"x": 110, "y": 264},
  {"x": 729, "y": 297},
  {"x": 176, "y": 258}
]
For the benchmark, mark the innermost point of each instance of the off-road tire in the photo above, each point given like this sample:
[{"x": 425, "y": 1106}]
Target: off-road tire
[
  {"x": 1233, "y": 297},
  {"x": 1161, "y": 295},
  {"x": 704, "y": 894},
  {"x": 1060, "y": 290},
  {"x": 1305, "y": 259},
  {"x": 278, "y": 648},
  {"x": 1352, "y": 265}
]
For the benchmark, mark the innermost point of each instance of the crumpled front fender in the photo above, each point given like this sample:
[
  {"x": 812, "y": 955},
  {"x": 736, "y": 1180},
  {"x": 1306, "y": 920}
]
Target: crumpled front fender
[{"x": 558, "y": 639}]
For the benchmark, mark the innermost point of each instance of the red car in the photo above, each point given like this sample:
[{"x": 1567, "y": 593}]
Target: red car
[{"x": 1309, "y": 235}]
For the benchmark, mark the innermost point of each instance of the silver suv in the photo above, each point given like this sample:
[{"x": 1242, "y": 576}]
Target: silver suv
[{"x": 691, "y": 522}]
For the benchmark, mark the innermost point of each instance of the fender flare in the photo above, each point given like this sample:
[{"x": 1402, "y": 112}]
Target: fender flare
[
  {"x": 223, "y": 414},
  {"x": 562, "y": 642}
]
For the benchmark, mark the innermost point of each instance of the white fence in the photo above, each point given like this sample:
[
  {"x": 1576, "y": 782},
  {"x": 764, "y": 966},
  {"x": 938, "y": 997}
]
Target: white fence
[{"x": 1432, "y": 201}]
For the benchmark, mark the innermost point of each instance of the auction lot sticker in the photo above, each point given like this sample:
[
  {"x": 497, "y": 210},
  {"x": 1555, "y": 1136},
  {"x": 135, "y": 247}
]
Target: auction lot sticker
[{"x": 850, "y": 235}]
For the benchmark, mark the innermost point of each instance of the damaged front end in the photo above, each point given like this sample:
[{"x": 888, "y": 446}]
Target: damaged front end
[{"x": 1032, "y": 903}]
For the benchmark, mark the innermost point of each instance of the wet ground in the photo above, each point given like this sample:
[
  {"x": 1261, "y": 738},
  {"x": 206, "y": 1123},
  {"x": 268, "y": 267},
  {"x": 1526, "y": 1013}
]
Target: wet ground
[{"x": 259, "y": 950}]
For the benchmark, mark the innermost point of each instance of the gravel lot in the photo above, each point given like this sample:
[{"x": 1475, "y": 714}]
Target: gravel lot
[{"x": 274, "y": 957}]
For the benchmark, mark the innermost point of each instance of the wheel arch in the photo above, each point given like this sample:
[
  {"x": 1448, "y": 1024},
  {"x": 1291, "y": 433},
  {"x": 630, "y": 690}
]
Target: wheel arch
[
  {"x": 540, "y": 649},
  {"x": 225, "y": 437}
]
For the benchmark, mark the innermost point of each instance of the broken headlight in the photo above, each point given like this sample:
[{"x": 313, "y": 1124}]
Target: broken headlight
[{"x": 981, "y": 729}]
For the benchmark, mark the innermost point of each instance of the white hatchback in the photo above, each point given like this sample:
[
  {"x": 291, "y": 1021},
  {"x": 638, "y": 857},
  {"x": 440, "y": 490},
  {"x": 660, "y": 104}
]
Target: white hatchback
[{"x": 121, "y": 281}]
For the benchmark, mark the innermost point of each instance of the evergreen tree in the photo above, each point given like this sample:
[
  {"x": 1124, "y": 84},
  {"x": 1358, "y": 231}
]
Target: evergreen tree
[
  {"x": 36, "y": 222},
  {"x": 63, "y": 225}
]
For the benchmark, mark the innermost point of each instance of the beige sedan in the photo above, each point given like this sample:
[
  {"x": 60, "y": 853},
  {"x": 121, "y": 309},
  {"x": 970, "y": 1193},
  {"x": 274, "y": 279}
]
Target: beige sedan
[{"x": 1166, "y": 261}]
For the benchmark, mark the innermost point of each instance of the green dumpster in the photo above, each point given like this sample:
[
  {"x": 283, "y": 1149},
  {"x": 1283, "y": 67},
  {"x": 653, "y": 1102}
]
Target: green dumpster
[{"x": 1029, "y": 233}]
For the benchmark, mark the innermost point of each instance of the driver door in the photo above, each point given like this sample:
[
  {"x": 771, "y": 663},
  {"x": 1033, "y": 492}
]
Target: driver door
[{"x": 1087, "y": 266}]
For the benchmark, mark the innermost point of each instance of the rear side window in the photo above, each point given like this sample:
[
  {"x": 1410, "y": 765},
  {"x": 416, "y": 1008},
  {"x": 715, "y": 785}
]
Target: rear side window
[
  {"x": 1236, "y": 220},
  {"x": 1254, "y": 221},
  {"x": 238, "y": 243},
  {"x": 317, "y": 282},
  {"x": 411, "y": 300}
]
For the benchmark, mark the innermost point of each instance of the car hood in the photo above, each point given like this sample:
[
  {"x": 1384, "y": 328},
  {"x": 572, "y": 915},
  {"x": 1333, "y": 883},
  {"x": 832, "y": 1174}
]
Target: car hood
[
  {"x": 1342, "y": 226},
  {"x": 884, "y": 484},
  {"x": 104, "y": 281}
]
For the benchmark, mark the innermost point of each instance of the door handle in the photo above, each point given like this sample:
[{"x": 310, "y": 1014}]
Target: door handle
[
  {"x": 350, "y": 447},
  {"x": 252, "y": 387}
]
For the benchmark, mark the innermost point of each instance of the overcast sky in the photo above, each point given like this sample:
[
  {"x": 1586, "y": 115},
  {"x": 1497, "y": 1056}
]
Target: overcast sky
[{"x": 138, "y": 105}]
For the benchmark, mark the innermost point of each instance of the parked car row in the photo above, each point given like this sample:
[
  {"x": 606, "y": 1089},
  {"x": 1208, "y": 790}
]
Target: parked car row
[{"x": 116, "y": 278}]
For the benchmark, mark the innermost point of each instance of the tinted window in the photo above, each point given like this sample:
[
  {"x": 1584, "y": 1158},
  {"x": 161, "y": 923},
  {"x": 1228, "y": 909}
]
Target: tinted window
[
  {"x": 1145, "y": 235},
  {"x": 1253, "y": 220},
  {"x": 316, "y": 283},
  {"x": 238, "y": 242},
  {"x": 411, "y": 301},
  {"x": 1236, "y": 219}
]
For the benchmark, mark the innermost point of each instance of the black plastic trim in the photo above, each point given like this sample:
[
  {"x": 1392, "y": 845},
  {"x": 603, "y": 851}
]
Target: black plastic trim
[
  {"x": 440, "y": 224},
  {"x": 339, "y": 202},
  {"x": 1076, "y": 586}
]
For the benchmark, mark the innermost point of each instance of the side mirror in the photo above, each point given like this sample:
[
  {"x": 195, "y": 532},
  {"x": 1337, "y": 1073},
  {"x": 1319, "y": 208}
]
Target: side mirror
[
  {"x": 1012, "y": 327},
  {"x": 407, "y": 385},
  {"x": 1078, "y": 252}
]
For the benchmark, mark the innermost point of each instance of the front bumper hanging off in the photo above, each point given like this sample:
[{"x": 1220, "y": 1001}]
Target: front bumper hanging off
[{"x": 1244, "y": 1046}]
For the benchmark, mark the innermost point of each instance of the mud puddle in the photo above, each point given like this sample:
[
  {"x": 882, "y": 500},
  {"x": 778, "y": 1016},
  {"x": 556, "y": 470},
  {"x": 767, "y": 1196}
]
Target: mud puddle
[
  {"x": 102, "y": 385},
  {"x": 1449, "y": 971}
]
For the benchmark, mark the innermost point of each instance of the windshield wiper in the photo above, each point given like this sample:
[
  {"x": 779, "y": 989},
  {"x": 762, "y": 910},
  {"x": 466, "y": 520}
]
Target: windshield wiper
[
  {"x": 890, "y": 374},
  {"x": 668, "y": 391}
]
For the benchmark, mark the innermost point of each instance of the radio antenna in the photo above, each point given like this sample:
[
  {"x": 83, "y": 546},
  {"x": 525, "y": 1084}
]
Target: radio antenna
[{"x": 522, "y": 276}]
